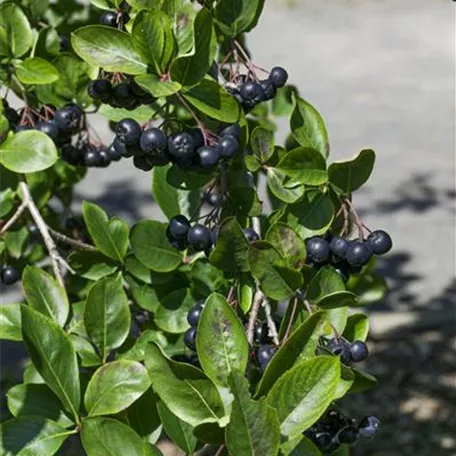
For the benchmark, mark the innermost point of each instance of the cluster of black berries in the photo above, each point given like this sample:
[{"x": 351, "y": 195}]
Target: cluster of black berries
[
  {"x": 262, "y": 339},
  {"x": 126, "y": 94},
  {"x": 250, "y": 92},
  {"x": 334, "y": 429},
  {"x": 193, "y": 317},
  {"x": 9, "y": 275},
  {"x": 353, "y": 352},
  {"x": 116, "y": 19},
  {"x": 348, "y": 257}
]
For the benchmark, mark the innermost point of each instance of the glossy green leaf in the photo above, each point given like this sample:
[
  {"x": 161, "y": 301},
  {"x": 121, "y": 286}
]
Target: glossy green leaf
[
  {"x": 155, "y": 86},
  {"x": 85, "y": 351},
  {"x": 109, "y": 48},
  {"x": 28, "y": 152},
  {"x": 173, "y": 201},
  {"x": 231, "y": 249},
  {"x": 35, "y": 70},
  {"x": 234, "y": 16},
  {"x": 106, "y": 315},
  {"x": 304, "y": 165},
  {"x": 115, "y": 386},
  {"x": 10, "y": 322},
  {"x": 243, "y": 200},
  {"x": 299, "y": 446},
  {"x": 288, "y": 243},
  {"x": 171, "y": 315},
  {"x": 106, "y": 436},
  {"x": 180, "y": 432},
  {"x": 92, "y": 265},
  {"x": 152, "y": 34},
  {"x": 53, "y": 356},
  {"x": 16, "y": 241},
  {"x": 206, "y": 278},
  {"x": 338, "y": 299},
  {"x": 186, "y": 179},
  {"x": 45, "y": 294},
  {"x": 326, "y": 281},
  {"x": 17, "y": 37},
  {"x": 338, "y": 319},
  {"x": 312, "y": 215},
  {"x": 246, "y": 291},
  {"x": 221, "y": 341},
  {"x": 277, "y": 280},
  {"x": 262, "y": 143},
  {"x": 254, "y": 428},
  {"x": 300, "y": 345},
  {"x": 109, "y": 235},
  {"x": 350, "y": 175},
  {"x": 214, "y": 101},
  {"x": 304, "y": 392},
  {"x": 362, "y": 382},
  {"x": 152, "y": 248},
  {"x": 282, "y": 187},
  {"x": 36, "y": 400},
  {"x": 141, "y": 114},
  {"x": 185, "y": 390},
  {"x": 190, "y": 69},
  {"x": 308, "y": 127},
  {"x": 357, "y": 327},
  {"x": 31, "y": 436},
  {"x": 47, "y": 44}
]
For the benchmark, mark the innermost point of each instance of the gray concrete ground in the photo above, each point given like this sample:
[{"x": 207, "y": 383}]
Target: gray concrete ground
[{"x": 382, "y": 74}]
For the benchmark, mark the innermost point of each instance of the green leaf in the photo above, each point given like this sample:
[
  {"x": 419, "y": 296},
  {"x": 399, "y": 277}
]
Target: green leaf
[
  {"x": 186, "y": 179},
  {"x": 308, "y": 127},
  {"x": 312, "y": 215},
  {"x": 362, "y": 382},
  {"x": 300, "y": 345},
  {"x": 142, "y": 114},
  {"x": 246, "y": 290},
  {"x": 189, "y": 69},
  {"x": 243, "y": 196},
  {"x": 15, "y": 241},
  {"x": 214, "y": 101},
  {"x": 106, "y": 436},
  {"x": 28, "y": 152},
  {"x": 10, "y": 322},
  {"x": 45, "y": 294},
  {"x": 357, "y": 327},
  {"x": 185, "y": 390},
  {"x": 173, "y": 201},
  {"x": 153, "y": 36},
  {"x": 288, "y": 243},
  {"x": 350, "y": 175},
  {"x": 338, "y": 299},
  {"x": 53, "y": 356},
  {"x": 304, "y": 392},
  {"x": 171, "y": 315},
  {"x": 16, "y": 37},
  {"x": 115, "y": 386},
  {"x": 304, "y": 165},
  {"x": 152, "y": 248},
  {"x": 277, "y": 280},
  {"x": 85, "y": 351},
  {"x": 299, "y": 446},
  {"x": 326, "y": 281},
  {"x": 180, "y": 432},
  {"x": 47, "y": 45},
  {"x": 205, "y": 278},
  {"x": 254, "y": 428},
  {"x": 106, "y": 315},
  {"x": 282, "y": 187},
  {"x": 91, "y": 265},
  {"x": 221, "y": 341},
  {"x": 338, "y": 319},
  {"x": 231, "y": 249},
  {"x": 235, "y": 16},
  {"x": 36, "y": 400},
  {"x": 155, "y": 86},
  {"x": 109, "y": 48},
  {"x": 110, "y": 236},
  {"x": 262, "y": 143},
  {"x": 35, "y": 70},
  {"x": 31, "y": 436}
]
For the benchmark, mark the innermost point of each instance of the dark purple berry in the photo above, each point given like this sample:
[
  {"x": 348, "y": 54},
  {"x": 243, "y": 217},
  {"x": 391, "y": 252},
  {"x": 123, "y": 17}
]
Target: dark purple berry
[
  {"x": 128, "y": 131},
  {"x": 341, "y": 348},
  {"x": 358, "y": 253},
  {"x": 278, "y": 76},
  {"x": 72, "y": 155},
  {"x": 103, "y": 158},
  {"x": 9, "y": 275},
  {"x": 113, "y": 153},
  {"x": 194, "y": 314},
  {"x": 199, "y": 237},
  {"x": 198, "y": 138},
  {"x": 109, "y": 18},
  {"x": 100, "y": 89},
  {"x": 232, "y": 130},
  {"x": 181, "y": 146},
  {"x": 358, "y": 351},
  {"x": 380, "y": 242},
  {"x": 251, "y": 91},
  {"x": 64, "y": 43},
  {"x": 153, "y": 142},
  {"x": 228, "y": 146},
  {"x": 368, "y": 426},
  {"x": 179, "y": 227},
  {"x": 251, "y": 235},
  {"x": 322, "y": 440},
  {"x": 68, "y": 117},
  {"x": 318, "y": 250},
  {"x": 339, "y": 246},
  {"x": 208, "y": 156},
  {"x": 50, "y": 128},
  {"x": 190, "y": 338},
  {"x": 91, "y": 158},
  {"x": 142, "y": 163},
  {"x": 264, "y": 355},
  {"x": 269, "y": 89},
  {"x": 122, "y": 96}
]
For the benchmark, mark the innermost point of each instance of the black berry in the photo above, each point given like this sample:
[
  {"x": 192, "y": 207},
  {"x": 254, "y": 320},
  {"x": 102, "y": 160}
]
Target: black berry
[
  {"x": 109, "y": 18},
  {"x": 68, "y": 117},
  {"x": 341, "y": 348},
  {"x": 264, "y": 355},
  {"x": 64, "y": 43},
  {"x": 142, "y": 163},
  {"x": 269, "y": 89},
  {"x": 101, "y": 89},
  {"x": 128, "y": 131},
  {"x": 50, "y": 128},
  {"x": 318, "y": 250},
  {"x": 358, "y": 253},
  {"x": 323, "y": 440},
  {"x": 208, "y": 156},
  {"x": 182, "y": 147},
  {"x": 179, "y": 227},
  {"x": 154, "y": 143},
  {"x": 348, "y": 435},
  {"x": 278, "y": 76},
  {"x": 232, "y": 130},
  {"x": 122, "y": 96},
  {"x": 199, "y": 237},
  {"x": 228, "y": 146},
  {"x": 194, "y": 314},
  {"x": 358, "y": 351},
  {"x": 380, "y": 242},
  {"x": 91, "y": 158},
  {"x": 190, "y": 338},
  {"x": 339, "y": 246},
  {"x": 251, "y": 235},
  {"x": 103, "y": 158},
  {"x": 9, "y": 275},
  {"x": 368, "y": 426},
  {"x": 114, "y": 154}
]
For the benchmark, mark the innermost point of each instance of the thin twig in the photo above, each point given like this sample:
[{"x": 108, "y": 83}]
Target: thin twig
[
  {"x": 358, "y": 220},
  {"x": 254, "y": 315},
  {"x": 16, "y": 216},
  {"x": 56, "y": 260},
  {"x": 70, "y": 241},
  {"x": 271, "y": 324},
  {"x": 290, "y": 321},
  {"x": 220, "y": 450}
]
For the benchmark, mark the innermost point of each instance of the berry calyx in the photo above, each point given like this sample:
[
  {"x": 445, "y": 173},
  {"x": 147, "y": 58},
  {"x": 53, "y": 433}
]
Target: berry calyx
[
  {"x": 278, "y": 76},
  {"x": 128, "y": 132},
  {"x": 358, "y": 351},
  {"x": 182, "y": 146},
  {"x": 358, "y": 253},
  {"x": 179, "y": 227},
  {"x": 380, "y": 242}
]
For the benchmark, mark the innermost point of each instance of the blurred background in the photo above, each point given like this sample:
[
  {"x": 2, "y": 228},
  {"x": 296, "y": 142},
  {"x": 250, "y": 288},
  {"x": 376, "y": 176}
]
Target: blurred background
[{"x": 382, "y": 73}]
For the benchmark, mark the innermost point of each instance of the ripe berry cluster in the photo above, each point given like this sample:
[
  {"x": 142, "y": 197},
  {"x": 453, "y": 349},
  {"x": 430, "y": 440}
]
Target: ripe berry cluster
[
  {"x": 126, "y": 94},
  {"x": 250, "y": 92},
  {"x": 354, "y": 352},
  {"x": 347, "y": 256},
  {"x": 334, "y": 429},
  {"x": 193, "y": 317},
  {"x": 9, "y": 275}
]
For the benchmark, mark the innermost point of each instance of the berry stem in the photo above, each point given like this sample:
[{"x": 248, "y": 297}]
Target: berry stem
[
  {"x": 70, "y": 241},
  {"x": 195, "y": 117},
  {"x": 358, "y": 221},
  {"x": 258, "y": 297},
  {"x": 290, "y": 321},
  {"x": 247, "y": 60},
  {"x": 15, "y": 217},
  {"x": 271, "y": 325}
]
